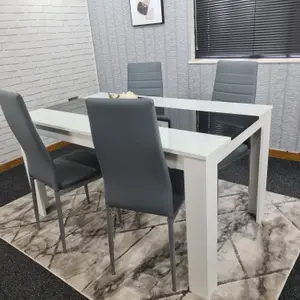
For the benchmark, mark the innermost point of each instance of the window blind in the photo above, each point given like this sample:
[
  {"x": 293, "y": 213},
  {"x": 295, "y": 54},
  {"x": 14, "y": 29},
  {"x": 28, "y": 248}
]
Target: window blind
[{"x": 247, "y": 28}]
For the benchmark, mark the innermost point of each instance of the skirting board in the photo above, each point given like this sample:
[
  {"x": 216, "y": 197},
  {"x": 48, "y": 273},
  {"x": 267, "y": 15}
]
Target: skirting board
[
  {"x": 18, "y": 161},
  {"x": 284, "y": 155}
]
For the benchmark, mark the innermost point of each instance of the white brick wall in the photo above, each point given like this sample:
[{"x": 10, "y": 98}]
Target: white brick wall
[{"x": 46, "y": 55}]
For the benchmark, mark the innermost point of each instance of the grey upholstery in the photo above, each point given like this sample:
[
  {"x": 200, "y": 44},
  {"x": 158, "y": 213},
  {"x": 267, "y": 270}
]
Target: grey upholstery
[
  {"x": 39, "y": 161},
  {"x": 146, "y": 79},
  {"x": 132, "y": 161},
  {"x": 84, "y": 157},
  {"x": 75, "y": 170},
  {"x": 136, "y": 176},
  {"x": 40, "y": 164},
  {"x": 235, "y": 82},
  {"x": 70, "y": 174}
]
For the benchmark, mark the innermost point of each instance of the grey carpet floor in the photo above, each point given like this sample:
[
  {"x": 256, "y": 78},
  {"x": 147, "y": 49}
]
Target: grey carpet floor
[{"x": 21, "y": 278}]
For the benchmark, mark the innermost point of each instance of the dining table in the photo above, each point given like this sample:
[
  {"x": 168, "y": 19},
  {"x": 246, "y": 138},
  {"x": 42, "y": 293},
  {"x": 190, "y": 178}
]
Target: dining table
[{"x": 197, "y": 154}]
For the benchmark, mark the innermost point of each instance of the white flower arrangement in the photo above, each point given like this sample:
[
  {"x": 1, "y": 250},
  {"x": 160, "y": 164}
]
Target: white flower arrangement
[{"x": 128, "y": 95}]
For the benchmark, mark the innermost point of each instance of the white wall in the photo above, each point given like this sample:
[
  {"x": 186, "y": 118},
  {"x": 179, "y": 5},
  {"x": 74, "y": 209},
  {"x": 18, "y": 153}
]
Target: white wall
[{"x": 46, "y": 55}]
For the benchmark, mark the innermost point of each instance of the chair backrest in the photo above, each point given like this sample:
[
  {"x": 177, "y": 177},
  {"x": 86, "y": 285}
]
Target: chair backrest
[
  {"x": 235, "y": 82},
  {"x": 146, "y": 79},
  {"x": 128, "y": 146},
  {"x": 40, "y": 164}
]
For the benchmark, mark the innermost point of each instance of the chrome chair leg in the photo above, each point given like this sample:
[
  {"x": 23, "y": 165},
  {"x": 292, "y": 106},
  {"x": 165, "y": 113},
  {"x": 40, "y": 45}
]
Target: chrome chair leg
[
  {"x": 86, "y": 189},
  {"x": 35, "y": 204},
  {"x": 172, "y": 253},
  {"x": 60, "y": 221},
  {"x": 110, "y": 232}
]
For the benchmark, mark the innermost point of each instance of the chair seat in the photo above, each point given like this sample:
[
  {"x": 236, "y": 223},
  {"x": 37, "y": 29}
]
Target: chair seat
[
  {"x": 84, "y": 157},
  {"x": 238, "y": 153},
  {"x": 71, "y": 173}
]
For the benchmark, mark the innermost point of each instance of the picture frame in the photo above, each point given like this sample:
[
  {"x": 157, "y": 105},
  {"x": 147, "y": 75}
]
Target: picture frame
[{"x": 146, "y": 12}]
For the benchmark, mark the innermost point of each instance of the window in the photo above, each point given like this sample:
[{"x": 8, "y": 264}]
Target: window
[{"x": 247, "y": 28}]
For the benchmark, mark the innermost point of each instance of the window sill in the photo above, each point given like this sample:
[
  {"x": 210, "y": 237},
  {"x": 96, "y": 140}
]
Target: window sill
[{"x": 207, "y": 61}]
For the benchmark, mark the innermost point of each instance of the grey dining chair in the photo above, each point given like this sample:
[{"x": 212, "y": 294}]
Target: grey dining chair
[
  {"x": 135, "y": 172},
  {"x": 146, "y": 79},
  {"x": 62, "y": 174},
  {"x": 235, "y": 82}
]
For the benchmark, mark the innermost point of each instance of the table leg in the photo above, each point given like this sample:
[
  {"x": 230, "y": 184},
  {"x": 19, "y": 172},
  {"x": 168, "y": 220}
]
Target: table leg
[
  {"x": 201, "y": 179},
  {"x": 42, "y": 198},
  {"x": 259, "y": 156}
]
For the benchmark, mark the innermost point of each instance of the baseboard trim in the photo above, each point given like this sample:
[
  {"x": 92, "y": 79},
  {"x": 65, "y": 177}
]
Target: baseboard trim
[
  {"x": 18, "y": 161},
  {"x": 284, "y": 155}
]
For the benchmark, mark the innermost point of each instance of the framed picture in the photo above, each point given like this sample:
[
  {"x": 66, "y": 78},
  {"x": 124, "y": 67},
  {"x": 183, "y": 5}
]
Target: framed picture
[{"x": 146, "y": 12}]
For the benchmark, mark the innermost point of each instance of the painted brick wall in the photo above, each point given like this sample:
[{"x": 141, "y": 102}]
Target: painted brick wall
[{"x": 46, "y": 55}]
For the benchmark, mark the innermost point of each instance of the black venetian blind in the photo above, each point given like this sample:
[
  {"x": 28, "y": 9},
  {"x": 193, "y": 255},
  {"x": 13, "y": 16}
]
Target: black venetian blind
[{"x": 247, "y": 28}]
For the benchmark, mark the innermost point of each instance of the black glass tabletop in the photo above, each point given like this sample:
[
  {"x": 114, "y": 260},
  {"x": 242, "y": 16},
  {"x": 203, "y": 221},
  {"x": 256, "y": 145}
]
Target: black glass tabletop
[
  {"x": 77, "y": 106},
  {"x": 215, "y": 123}
]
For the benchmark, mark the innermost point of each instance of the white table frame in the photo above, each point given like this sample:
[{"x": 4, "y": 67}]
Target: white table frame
[{"x": 200, "y": 175}]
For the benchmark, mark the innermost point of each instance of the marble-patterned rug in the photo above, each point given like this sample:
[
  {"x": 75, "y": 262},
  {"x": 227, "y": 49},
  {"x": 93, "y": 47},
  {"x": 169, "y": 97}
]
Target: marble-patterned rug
[{"x": 253, "y": 260}]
